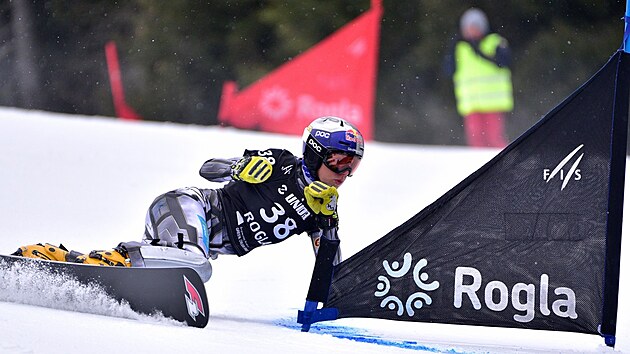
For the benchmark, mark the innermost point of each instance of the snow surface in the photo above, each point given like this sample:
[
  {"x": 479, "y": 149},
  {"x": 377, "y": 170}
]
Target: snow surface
[{"x": 86, "y": 182}]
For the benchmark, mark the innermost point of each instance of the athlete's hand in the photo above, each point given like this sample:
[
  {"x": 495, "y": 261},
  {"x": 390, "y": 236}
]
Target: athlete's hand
[
  {"x": 327, "y": 222},
  {"x": 321, "y": 198},
  {"x": 252, "y": 169}
]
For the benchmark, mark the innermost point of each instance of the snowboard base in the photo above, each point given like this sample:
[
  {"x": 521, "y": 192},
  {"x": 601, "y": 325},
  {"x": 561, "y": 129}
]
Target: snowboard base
[{"x": 177, "y": 293}]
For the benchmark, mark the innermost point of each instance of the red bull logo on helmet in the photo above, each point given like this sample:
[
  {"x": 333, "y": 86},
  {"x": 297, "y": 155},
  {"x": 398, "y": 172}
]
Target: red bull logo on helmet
[{"x": 353, "y": 136}]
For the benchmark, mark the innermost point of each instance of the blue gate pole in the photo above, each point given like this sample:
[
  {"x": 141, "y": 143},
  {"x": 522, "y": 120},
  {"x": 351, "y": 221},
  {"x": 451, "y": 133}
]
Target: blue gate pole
[{"x": 614, "y": 232}]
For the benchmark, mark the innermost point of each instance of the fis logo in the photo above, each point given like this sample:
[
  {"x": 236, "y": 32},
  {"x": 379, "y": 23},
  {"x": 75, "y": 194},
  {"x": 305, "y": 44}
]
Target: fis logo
[
  {"x": 565, "y": 176},
  {"x": 193, "y": 300}
]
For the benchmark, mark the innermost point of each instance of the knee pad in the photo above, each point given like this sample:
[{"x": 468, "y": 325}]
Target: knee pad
[{"x": 178, "y": 219}]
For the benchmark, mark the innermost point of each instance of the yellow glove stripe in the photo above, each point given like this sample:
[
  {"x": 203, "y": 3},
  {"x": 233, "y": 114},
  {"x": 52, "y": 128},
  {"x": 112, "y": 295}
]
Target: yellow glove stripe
[
  {"x": 318, "y": 187},
  {"x": 251, "y": 166},
  {"x": 256, "y": 169},
  {"x": 266, "y": 172}
]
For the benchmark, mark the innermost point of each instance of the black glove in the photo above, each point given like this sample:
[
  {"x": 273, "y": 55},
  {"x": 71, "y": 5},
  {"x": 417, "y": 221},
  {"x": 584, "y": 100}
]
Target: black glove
[{"x": 327, "y": 222}]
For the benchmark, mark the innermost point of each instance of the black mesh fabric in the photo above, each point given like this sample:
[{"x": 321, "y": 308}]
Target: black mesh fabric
[{"x": 525, "y": 235}]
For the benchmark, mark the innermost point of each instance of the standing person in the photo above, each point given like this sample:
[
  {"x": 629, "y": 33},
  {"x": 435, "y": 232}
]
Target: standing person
[
  {"x": 480, "y": 67},
  {"x": 270, "y": 195}
]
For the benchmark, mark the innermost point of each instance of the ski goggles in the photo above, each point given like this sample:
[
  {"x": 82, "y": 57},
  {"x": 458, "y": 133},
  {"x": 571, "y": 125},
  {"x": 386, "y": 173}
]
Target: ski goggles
[{"x": 340, "y": 162}]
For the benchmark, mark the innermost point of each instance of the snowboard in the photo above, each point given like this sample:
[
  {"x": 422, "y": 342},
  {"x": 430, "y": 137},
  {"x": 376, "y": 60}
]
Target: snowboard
[{"x": 178, "y": 293}]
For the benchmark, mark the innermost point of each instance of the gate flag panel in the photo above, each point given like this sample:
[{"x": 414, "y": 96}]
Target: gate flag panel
[
  {"x": 530, "y": 240},
  {"x": 335, "y": 77}
]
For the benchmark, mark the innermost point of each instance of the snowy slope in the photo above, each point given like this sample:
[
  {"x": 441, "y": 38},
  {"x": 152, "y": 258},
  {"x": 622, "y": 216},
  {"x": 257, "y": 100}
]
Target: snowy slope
[{"x": 86, "y": 183}]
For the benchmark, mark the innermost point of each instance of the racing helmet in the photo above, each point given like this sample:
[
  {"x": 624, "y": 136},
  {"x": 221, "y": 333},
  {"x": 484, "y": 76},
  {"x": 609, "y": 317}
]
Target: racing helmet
[{"x": 334, "y": 142}]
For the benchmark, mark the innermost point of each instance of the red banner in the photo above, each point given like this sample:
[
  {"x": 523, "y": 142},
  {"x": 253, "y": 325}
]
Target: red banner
[
  {"x": 335, "y": 77},
  {"x": 115, "y": 81}
]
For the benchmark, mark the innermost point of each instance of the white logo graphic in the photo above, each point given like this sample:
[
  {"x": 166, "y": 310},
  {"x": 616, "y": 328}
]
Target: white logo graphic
[
  {"x": 275, "y": 103},
  {"x": 414, "y": 300},
  {"x": 358, "y": 47},
  {"x": 497, "y": 296},
  {"x": 315, "y": 145},
  {"x": 322, "y": 134},
  {"x": 194, "y": 304},
  {"x": 278, "y": 103},
  {"x": 573, "y": 173}
]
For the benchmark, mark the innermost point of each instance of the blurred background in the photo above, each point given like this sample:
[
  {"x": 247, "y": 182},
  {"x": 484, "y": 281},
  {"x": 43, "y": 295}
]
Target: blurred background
[{"x": 175, "y": 55}]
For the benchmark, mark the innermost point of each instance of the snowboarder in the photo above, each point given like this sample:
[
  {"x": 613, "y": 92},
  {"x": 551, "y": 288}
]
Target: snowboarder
[{"x": 270, "y": 195}]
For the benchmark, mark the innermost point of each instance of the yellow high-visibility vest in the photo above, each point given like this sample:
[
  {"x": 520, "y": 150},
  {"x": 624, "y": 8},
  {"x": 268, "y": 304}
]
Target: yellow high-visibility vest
[{"x": 480, "y": 85}]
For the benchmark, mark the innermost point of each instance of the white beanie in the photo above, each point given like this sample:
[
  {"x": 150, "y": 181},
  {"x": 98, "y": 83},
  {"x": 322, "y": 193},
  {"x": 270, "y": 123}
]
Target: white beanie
[{"x": 474, "y": 17}]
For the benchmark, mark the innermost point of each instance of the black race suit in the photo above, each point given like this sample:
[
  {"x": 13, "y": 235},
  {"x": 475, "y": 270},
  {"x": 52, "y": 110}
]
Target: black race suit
[
  {"x": 268, "y": 212},
  {"x": 240, "y": 216}
]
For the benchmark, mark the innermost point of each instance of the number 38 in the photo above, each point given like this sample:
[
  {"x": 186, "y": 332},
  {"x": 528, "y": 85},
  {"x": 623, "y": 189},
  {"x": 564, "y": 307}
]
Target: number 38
[
  {"x": 281, "y": 230},
  {"x": 267, "y": 154}
]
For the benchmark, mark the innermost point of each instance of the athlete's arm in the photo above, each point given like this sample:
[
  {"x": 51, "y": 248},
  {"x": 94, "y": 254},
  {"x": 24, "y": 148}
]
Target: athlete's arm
[
  {"x": 329, "y": 233},
  {"x": 218, "y": 170}
]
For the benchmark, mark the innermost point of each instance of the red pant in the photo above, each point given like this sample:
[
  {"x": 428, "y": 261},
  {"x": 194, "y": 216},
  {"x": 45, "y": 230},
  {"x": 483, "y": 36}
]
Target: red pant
[{"x": 485, "y": 129}]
